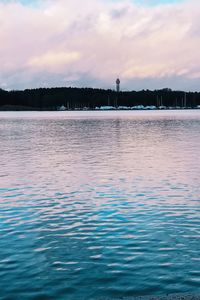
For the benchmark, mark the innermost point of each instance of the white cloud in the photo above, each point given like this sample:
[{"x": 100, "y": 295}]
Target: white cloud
[
  {"x": 99, "y": 40},
  {"x": 54, "y": 61}
]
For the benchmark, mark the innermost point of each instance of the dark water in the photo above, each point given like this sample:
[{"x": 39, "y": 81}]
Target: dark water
[{"x": 99, "y": 204}]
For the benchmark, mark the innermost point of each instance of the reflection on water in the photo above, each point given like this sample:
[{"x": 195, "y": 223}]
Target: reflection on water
[{"x": 99, "y": 204}]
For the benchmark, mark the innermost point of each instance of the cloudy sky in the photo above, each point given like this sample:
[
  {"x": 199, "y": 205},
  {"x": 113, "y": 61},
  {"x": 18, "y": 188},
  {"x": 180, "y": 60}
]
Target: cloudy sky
[{"x": 149, "y": 44}]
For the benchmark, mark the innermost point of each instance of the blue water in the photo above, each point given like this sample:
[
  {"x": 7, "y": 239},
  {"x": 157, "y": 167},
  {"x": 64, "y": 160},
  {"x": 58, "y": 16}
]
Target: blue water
[{"x": 99, "y": 204}]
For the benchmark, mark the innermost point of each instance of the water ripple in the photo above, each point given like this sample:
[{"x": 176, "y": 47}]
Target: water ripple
[{"x": 97, "y": 207}]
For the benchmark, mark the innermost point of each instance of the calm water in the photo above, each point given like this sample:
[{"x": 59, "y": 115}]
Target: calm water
[{"x": 99, "y": 204}]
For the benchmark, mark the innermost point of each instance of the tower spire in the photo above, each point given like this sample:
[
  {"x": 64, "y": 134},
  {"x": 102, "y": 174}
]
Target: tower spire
[{"x": 118, "y": 85}]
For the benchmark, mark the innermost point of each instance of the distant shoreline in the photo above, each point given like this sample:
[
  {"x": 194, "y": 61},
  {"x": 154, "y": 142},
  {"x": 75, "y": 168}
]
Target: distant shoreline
[
  {"x": 17, "y": 108},
  {"x": 27, "y": 108},
  {"x": 88, "y": 98}
]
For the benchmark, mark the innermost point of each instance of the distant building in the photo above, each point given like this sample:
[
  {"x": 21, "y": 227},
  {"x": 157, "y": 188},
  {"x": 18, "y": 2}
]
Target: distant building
[{"x": 118, "y": 85}]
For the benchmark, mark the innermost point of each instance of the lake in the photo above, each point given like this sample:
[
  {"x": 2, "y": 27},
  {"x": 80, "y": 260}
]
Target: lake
[{"x": 99, "y": 204}]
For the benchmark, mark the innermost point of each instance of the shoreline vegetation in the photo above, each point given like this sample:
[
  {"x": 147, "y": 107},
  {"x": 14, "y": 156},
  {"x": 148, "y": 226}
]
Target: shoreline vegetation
[{"x": 51, "y": 99}]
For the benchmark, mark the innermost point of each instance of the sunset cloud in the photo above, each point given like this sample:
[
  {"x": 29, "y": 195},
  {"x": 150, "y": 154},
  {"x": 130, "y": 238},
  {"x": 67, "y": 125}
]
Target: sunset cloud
[
  {"x": 90, "y": 44},
  {"x": 53, "y": 61}
]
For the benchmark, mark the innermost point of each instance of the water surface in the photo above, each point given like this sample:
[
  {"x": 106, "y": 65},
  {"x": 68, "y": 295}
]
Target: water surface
[{"x": 99, "y": 204}]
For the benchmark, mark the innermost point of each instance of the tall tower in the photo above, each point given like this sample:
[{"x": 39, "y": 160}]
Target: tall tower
[{"x": 118, "y": 85}]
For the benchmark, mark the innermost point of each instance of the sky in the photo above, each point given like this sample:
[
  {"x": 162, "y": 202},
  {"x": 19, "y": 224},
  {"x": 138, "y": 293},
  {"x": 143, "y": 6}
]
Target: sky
[{"x": 148, "y": 44}]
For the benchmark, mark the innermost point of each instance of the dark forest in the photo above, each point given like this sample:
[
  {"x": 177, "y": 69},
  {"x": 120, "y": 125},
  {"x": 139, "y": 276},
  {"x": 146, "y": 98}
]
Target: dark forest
[{"x": 78, "y": 98}]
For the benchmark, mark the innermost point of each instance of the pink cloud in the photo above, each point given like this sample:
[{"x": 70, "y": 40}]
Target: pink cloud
[{"x": 100, "y": 39}]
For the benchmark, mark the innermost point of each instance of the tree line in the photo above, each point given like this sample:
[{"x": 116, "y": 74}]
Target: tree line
[{"x": 74, "y": 98}]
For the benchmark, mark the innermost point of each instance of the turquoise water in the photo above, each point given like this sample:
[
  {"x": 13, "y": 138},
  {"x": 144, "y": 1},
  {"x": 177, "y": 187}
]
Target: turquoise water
[{"x": 99, "y": 204}]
